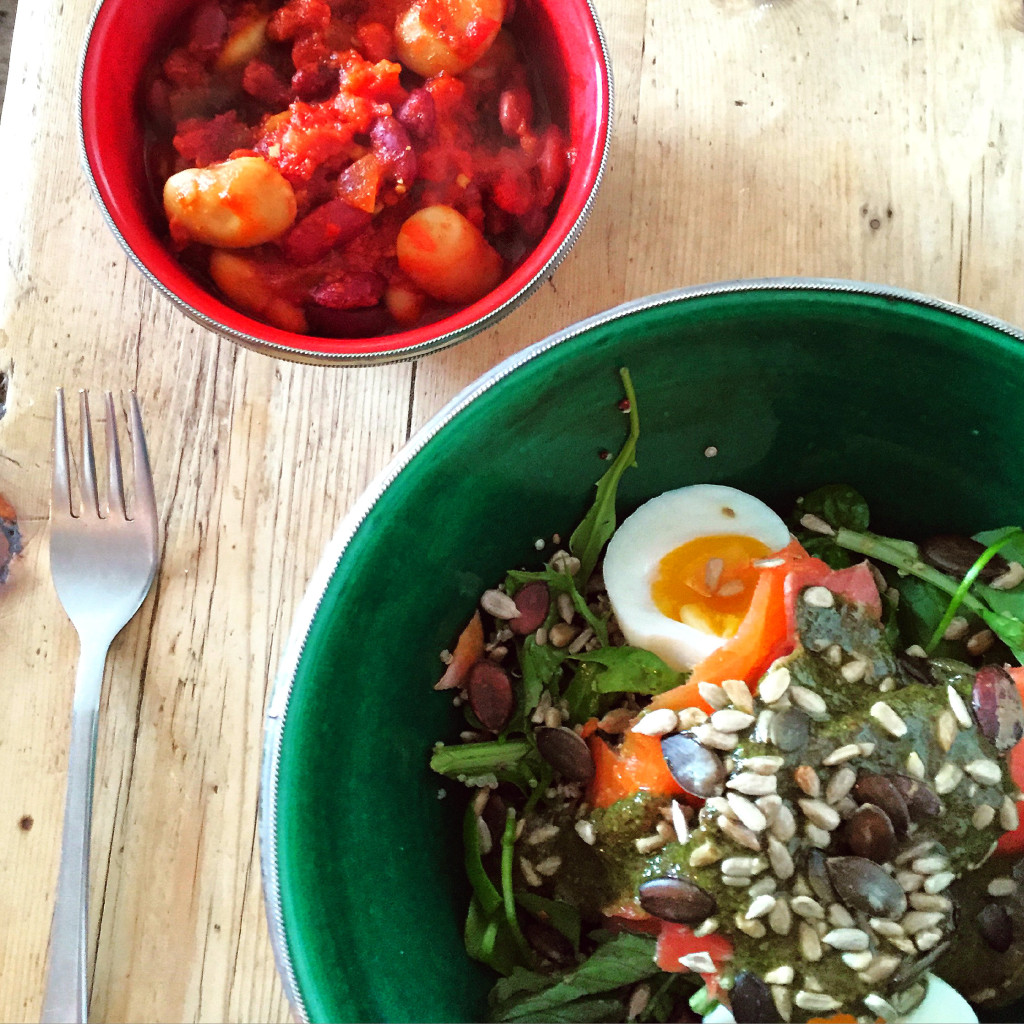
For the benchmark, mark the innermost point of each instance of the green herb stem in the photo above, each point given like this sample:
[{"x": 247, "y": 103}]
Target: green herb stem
[
  {"x": 508, "y": 841},
  {"x": 473, "y": 759}
]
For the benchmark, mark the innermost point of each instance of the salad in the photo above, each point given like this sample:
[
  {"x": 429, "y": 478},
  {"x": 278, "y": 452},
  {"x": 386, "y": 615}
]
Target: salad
[{"x": 731, "y": 766}]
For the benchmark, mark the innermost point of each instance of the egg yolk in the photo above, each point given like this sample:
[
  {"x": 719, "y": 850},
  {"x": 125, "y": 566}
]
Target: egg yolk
[{"x": 707, "y": 583}]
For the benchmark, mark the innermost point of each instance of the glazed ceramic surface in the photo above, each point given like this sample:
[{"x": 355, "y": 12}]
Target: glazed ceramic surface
[
  {"x": 774, "y": 387},
  {"x": 568, "y": 50}
]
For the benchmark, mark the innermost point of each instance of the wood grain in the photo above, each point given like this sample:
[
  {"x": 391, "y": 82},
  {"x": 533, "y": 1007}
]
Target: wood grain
[{"x": 880, "y": 141}]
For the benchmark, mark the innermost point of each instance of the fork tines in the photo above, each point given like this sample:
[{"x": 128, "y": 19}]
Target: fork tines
[{"x": 145, "y": 501}]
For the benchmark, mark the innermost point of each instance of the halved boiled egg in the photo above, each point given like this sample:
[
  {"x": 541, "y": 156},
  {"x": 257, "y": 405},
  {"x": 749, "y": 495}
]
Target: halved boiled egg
[{"x": 681, "y": 570}]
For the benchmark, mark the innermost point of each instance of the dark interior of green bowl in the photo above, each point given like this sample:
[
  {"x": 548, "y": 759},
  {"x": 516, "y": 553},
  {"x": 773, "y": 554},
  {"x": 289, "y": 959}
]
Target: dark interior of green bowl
[{"x": 920, "y": 408}]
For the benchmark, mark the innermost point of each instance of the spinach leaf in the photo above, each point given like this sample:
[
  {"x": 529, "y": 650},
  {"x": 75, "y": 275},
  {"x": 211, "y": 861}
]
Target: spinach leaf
[
  {"x": 631, "y": 670},
  {"x": 1007, "y": 602},
  {"x": 838, "y": 504},
  {"x": 562, "y": 916},
  {"x": 623, "y": 960},
  {"x": 589, "y": 538},
  {"x": 542, "y": 670}
]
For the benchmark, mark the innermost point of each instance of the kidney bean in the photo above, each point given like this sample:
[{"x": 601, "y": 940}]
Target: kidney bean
[
  {"x": 418, "y": 115},
  {"x": 207, "y": 30},
  {"x": 552, "y": 164},
  {"x": 332, "y": 224},
  {"x": 350, "y": 291},
  {"x": 349, "y": 323},
  {"x": 515, "y": 111},
  {"x": 393, "y": 148}
]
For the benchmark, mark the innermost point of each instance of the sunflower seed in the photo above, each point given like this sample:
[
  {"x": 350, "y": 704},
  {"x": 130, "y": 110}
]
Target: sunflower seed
[
  {"x": 499, "y": 604},
  {"x": 927, "y": 940},
  {"x": 840, "y": 917},
  {"x": 810, "y": 943},
  {"x": 858, "y": 961},
  {"x": 929, "y": 865},
  {"x": 765, "y": 884},
  {"x": 932, "y": 902},
  {"x": 936, "y": 883},
  {"x": 689, "y": 718},
  {"x": 784, "y": 825},
  {"x": 805, "y": 907},
  {"x": 586, "y": 831},
  {"x": 746, "y": 811},
  {"x": 819, "y": 813},
  {"x": 984, "y": 815},
  {"x": 840, "y": 785},
  {"x": 887, "y": 929},
  {"x": 752, "y": 784},
  {"x": 915, "y": 766},
  {"x": 705, "y": 854},
  {"x": 888, "y": 719},
  {"x": 980, "y": 642},
  {"x": 910, "y": 881},
  {"x": 713, "y": 694},
  {"x": 811, "y": 702},
  {"x": 818, "y": 1002},
  {"x": 529, "y": 873},
  {"x": 887, "y": 685},
  {"x": 946, "y": 730},
  {"x": 699, "y": 963},
  {"x": 817, "y": 836},
  {"x": 738, "y": 833},
  {"x": 1009, "y": 817},
  {"x": 957, "y": 629},
  {"x": 763, "y": 764},
  {"x": 919, "y": 920},
  {"x": 947, "y": 778},
  {"x": 774, "y": 684},
  {"x": 707, "y": 927},
  {"x": 648, "y": 844},
  {"x": 739, "y": 693},
  {"x": 834, "y": 655},
  {"x": 988, "y": 773},
  {"x": 851, "y": 940},
  {"x": 854, "y": 670},
  {"x": 780, "y": 975},
  {"x": 760, "y": 906},
  {"x": 780, "y": 920},
  {"x": 841, "y": 754},
  {"x": 755, "y": 929},
  {"x": 709, "y": 736},
  {"x": 959, "y": 708},
  {"x": 748, "y": 866},
  {"x": 657, "y": 723},
  {"x": 731, "y": 720},
  {"x": 780, "y": 858},
  {"x": 809, "y": 521}
]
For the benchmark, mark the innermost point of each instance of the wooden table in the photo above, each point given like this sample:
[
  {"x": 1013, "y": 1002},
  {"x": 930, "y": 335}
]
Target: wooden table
[{"x": 877, "y": 140}]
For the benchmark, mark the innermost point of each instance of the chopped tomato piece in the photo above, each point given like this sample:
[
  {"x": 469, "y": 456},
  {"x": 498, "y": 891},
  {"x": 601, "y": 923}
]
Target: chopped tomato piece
[{"x": 678, "y": 940}]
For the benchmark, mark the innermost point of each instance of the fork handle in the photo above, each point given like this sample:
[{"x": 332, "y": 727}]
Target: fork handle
[{"x": 65, "y": 1000}]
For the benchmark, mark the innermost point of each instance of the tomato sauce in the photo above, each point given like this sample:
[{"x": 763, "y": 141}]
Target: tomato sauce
[{"x": 356, "y": 142}]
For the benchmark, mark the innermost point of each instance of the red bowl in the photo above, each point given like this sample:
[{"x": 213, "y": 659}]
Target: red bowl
[{"x": 566, "y": 44}]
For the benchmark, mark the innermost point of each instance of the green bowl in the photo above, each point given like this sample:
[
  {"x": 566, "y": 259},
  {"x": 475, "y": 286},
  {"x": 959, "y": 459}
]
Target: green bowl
[{"x": 774, "y": 386}]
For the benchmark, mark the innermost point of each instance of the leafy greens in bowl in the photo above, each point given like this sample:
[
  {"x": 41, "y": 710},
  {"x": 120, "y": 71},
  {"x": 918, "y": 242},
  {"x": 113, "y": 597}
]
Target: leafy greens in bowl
[{"x": 774, "y": 387}]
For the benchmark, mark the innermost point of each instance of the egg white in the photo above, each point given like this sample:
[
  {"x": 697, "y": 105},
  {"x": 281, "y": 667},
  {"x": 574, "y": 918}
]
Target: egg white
[
  {"x": 659, "y": 526},
  {"x": 942, "y": 1004}
]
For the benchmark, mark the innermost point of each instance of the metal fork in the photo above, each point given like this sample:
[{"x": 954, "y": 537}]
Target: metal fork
[{"x": 103, "y": 564}]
